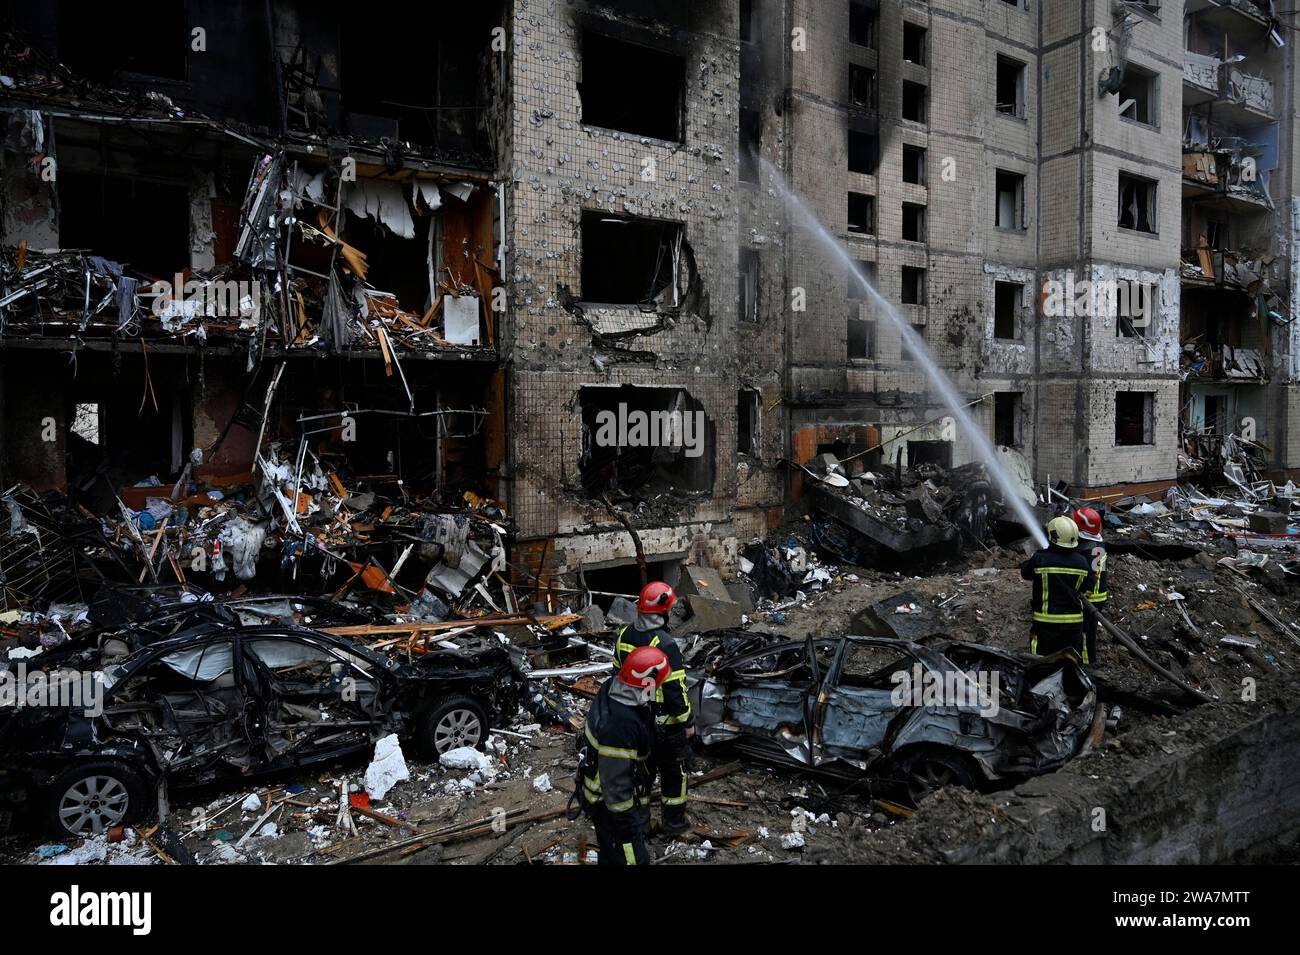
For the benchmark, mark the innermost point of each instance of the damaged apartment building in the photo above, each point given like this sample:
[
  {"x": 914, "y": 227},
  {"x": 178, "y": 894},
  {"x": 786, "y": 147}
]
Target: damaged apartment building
[
  {"x": 477, "y": 258},
  {"x": 239, "y": 263}
]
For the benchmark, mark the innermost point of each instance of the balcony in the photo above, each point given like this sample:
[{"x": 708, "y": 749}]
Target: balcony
[
  {"x": 1225, "y": 180},
  {"x": 1237, "y": 97},
  {"x": 1229, "y": 14},
  {"x": 1225, "y": 363}
]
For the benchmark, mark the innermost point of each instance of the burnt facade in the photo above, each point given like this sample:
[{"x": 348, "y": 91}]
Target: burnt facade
[{"x": 543, "y": 254}]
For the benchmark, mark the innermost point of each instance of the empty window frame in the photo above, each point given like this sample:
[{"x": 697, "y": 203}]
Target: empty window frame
[
  {"x": 751, "y": 132},
  {"x": 644, "y": 441},
  {"x": 1006, "y": 418},
  {"x": 861, "y": 335},
  {"x": 1137, "y": 203},
  {"x": 748, "y": 21},
  {"x": 914, "y": 43},
  {"x": 748, "y": 286},
  {"x": 862, "y": 23},
  {"x": 915, "y": 107},
  {"x": 1135, "y": 308},
  {"x": 1007, "y": 297},
  {"x": 1009, "y": 212},
  {"x": 85, "y": 422},
  {"x": 857, "y": 280},
  {"x": 864, "y": 151},
  {"x": 862, "y": 86},
  {"x": 913, "y": 222},
  {"x": 913, "y": 290},
  {"x": 748, "y": 417},
  {"x": 1134, "y": 418},
  {"x": 907, "y": 352},
  {"x": 914, "y": 164},
  {"x": 102, "y": 213},
  {"x": 862, "y": 213},
  {"x": 98, "y": 43},
  {"x": 629, "y": 261},
  {"x": 1010, "y": 93},
  {"x": 1139, "y": 96},
  {"x": 632, "y": 88}
]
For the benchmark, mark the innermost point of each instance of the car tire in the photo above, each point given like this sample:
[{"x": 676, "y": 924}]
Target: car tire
[
  {"x": 90, "y": 797},
  {"x": 451, "y": 723},
  {"x": 925, "y": 770}
]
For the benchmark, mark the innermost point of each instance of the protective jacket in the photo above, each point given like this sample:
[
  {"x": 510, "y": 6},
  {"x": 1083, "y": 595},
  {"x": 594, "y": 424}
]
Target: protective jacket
[
  {"x": 672, "y": 705},
  {"x": 1061, "y": 578}
]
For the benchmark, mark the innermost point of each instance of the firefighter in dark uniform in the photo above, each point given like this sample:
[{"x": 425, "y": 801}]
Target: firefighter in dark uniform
[
  {"x": 672, "y": 706},
  {"x": 613, "y": 770},
  {"x": 1061, "y": 576},
  {"x": 1089, "y": 523}
]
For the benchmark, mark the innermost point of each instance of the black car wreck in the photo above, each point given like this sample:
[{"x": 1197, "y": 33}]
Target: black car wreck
[
  {"x": 220, "y": 703},
  {"x": 891, "y": 712}
]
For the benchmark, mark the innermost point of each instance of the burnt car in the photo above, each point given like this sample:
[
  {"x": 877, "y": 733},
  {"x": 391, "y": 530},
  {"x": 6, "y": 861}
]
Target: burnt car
[
  {"x": 893, "y": 712},
  {"x": 222, "y": 703}
]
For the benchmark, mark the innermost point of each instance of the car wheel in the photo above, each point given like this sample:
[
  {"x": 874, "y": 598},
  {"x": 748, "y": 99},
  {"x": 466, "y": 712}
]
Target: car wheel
[
  {"x": 930, "y": 769},
  {"x": 91, "y": 797},
  {"x": 451, "y": 723}
]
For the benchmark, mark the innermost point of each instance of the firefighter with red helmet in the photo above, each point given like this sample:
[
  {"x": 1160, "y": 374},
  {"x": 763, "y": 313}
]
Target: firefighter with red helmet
[
  {"x": 1089, "y": 523},
  {"x": 617, "y": 742},
  {"x": 673, "y": 716}
]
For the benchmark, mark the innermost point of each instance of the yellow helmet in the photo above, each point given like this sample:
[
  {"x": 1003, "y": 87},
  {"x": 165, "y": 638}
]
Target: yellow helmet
[{"x": 1063, "y": 532}]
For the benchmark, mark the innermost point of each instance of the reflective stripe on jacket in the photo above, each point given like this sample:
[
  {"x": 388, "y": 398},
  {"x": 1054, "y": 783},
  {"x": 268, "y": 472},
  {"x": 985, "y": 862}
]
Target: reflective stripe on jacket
[
  {"x": 1061, "y": 578},
  {"x": 672, "y": 703},
  {"x": 616, "y": 744}
]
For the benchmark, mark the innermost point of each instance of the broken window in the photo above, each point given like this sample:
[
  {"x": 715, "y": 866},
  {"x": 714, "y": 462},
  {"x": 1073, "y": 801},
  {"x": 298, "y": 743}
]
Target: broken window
[
  {"x": 862, "y": 334},
  {"x": 914, "y": 164},
  {"x": 748, "y": 309},
  {"x": 1134, "y": 307},
  {"x": 1216, "y": 414},
  {"x": 929, "y": 452},
  {"x": 862, "y": 23},
  {"x": 914, "y": 101},
  {"x": 863, "y": 151},
  {"x": 857, "y": 280},
  {"x": 748, "y": 416},
  {"x": 748, "y": 13},
  {"x": 1138, "y": 97},
  {"x": 393, "y": 263},
  {"x": 751, "y": 132},
  {"x": 862, "y": 86},
  {"x": 102, "y": 213},
  {"x": 862, "y": 213},
  {"x": 1137, "y": 203},
  {"x": 105, "y": 46},
  {"x": 1007, "y": 297},
  {"x": 908, "y": 353},
  {"x": 1216, "y": 234},
  {"x": 1010, "y": 210},
  {"x": 421, "y": 82},
  {"x": 913, "y": 285},
  {"x": 644, "y": 441},
  {"x": 629, "y": 261},
  {"x": 914, "y": 43},
  {"x": 873, "y": 667},
  {"x": 1010, "y": 93},
  {"x": 913, "y": 222},
  {"x": 630, "y": 87},
  {"x": 85, "y": 422},
  {"x": 1006, "y": 418},
  {"x": 606, "y": 584},
  {"x": 1134, "y": 417}
]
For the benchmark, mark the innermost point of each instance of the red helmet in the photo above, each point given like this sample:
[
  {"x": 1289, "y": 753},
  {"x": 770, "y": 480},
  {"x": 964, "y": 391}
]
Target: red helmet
[
  {"x": 645, "y": 668},
  {"x": 1089, "y": 522},
  {"x": 656, "y": 597}
]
